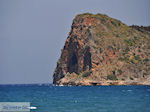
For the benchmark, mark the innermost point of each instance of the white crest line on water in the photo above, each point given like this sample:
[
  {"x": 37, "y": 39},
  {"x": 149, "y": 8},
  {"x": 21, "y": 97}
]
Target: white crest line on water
[
  {"x": 32, "y": 107},
  {"x": 129, "y": 90}
]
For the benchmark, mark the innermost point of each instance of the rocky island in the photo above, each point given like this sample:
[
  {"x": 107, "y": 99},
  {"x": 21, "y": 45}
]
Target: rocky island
[{"x": 101, "y": 50}]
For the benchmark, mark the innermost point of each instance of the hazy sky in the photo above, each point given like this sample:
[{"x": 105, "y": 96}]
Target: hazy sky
[{"x": 33, "y": 32}]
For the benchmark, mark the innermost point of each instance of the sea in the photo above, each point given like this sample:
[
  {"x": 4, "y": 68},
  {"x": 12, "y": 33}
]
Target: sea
[{"x": 50, "y": 98}]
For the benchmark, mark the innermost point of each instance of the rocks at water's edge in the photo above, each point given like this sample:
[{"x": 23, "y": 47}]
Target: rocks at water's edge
[{"x": 104, "y": 51}]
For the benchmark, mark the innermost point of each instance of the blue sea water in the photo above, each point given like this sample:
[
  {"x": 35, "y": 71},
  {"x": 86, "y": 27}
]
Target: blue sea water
[{"x": 48, "y": 98}]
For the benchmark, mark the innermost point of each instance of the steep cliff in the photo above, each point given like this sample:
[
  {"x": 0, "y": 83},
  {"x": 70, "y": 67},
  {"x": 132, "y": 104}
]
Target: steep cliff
[{"x": 103, "y": 51}]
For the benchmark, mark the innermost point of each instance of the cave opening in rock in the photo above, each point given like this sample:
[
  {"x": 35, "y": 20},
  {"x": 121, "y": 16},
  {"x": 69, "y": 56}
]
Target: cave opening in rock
[
  {"x": 73, "y": 64},
  {"x": 87, "y": 61}
]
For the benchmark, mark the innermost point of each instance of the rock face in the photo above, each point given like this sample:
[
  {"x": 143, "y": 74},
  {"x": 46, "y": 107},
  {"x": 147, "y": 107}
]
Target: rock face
[{"x": 103, "y": 51}]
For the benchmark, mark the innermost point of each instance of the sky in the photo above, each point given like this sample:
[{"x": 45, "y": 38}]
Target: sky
[{"x": 33, "y": 32}]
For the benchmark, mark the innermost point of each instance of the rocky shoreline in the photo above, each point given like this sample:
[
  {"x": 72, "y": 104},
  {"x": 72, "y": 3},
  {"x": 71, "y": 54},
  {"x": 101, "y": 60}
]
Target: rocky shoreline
[
  {"x": 86, "y": 82},
  {"x": 106, "y": 83}
]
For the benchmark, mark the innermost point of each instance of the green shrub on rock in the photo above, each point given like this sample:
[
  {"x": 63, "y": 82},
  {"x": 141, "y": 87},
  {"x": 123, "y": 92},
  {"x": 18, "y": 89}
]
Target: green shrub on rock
[
  {"x": 112, "y": 77},
  {"x": 86, "y": 74}
]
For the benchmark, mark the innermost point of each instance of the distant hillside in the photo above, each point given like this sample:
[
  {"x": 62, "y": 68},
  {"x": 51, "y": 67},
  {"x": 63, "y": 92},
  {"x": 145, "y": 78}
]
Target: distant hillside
[
  {"x": 143, "y": 29},
  {"x": 101, "y": 50}
]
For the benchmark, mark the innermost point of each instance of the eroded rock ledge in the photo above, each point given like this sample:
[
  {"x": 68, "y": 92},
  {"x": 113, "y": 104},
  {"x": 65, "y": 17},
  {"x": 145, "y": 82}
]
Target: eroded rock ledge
[{"x": 103, "y": 51}]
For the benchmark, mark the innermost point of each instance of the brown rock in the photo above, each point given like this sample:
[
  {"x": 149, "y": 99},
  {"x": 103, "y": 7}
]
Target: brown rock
[{"x": 103, "y": 51}]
